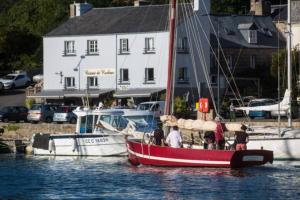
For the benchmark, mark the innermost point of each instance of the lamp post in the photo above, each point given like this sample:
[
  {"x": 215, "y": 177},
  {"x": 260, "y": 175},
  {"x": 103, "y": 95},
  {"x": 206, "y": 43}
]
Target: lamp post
[{"x": 77, "y": 68}]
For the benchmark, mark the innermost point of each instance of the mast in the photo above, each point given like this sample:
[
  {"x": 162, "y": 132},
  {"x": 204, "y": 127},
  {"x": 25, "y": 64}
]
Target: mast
[
  {"x": 289, "y": 63},
  {"x": 170, "y": 63}
]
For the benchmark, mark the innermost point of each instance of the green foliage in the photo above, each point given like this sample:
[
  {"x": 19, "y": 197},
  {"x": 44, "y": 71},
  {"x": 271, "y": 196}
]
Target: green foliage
[
  {"x": 29, "y": 102},
  {"x": 279, "y": 63},
  {"x": 11, "y": 127},
  {"x": 180, "y": 105}
]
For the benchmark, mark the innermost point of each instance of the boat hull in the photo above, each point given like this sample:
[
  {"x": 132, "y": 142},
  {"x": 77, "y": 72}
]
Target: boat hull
[
  {"x": 139, "y": 153},
  {"x": 283, "y": 148},
  {"x": 82, "y": 145}
]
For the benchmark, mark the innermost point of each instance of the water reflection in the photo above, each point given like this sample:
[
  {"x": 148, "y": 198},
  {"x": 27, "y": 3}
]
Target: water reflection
[{"x": 50, "y": 177}]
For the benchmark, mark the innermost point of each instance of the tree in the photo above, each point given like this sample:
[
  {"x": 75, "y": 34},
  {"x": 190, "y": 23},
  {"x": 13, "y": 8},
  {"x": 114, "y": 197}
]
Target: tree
[{"x": 279, "y": 66}]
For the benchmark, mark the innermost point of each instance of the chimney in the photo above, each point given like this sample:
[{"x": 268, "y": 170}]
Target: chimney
[
  {"x": 260, "y": 7},
  {"x": 136, "y": 3},
  {"x": 202, "y": 6},
  {"x": 78, "y": 9}
]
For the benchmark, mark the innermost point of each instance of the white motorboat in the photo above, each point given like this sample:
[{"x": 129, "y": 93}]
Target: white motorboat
[{"x": 98, "y": 133}]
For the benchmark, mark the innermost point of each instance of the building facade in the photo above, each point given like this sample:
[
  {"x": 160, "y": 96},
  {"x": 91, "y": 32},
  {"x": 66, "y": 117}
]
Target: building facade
[{"x": 122, "y": 51}]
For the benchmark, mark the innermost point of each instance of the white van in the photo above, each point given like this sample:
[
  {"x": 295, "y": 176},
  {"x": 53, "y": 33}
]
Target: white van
[{"x": 157, "y": 107}]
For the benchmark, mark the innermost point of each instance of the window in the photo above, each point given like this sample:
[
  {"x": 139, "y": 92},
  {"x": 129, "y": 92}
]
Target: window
[
  {"x": 124, "y": 49},
  {"x": 92, "y": 47},
  {"x": 124, "y": 75},
  {"x": 149, "y": 45},
  {"x": 252, "y": 61},
  {"x": 183, "y": 45},
  {"x": 214, "y": 80},
  {"x": 69, "y": 82},
  {"x": 149, "y": 75},
  {"x": 69, "y": 48},
  {"x": 252, "y": 36},
  {"x": 92, "y": 82},
  {"x": 182, "y": 75}
]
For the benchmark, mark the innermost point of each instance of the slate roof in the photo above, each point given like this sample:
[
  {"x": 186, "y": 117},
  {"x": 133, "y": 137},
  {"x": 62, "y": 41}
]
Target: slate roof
[
  {"x": 231, "y": 37},
  {"x": 279, "y": 12},
  {"x": 130, "y": 19}
]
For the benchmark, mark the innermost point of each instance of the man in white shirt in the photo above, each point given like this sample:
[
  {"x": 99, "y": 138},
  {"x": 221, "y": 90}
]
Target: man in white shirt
[{"x": 174, "y": 138}]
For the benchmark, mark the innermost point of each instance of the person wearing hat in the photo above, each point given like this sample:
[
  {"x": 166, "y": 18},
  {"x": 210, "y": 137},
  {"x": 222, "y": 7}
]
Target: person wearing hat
[
  {"x": 158, "y": 135},
  {"x": 241, "y": 139},
  {"x": 219, "y": 134},
  {"x": 174, "y": 138}
]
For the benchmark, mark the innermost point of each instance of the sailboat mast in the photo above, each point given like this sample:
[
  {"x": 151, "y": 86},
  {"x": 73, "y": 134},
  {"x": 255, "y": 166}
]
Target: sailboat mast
[
  {"x": 170, "y": 63},
  {"x": 289, "y": 62}
]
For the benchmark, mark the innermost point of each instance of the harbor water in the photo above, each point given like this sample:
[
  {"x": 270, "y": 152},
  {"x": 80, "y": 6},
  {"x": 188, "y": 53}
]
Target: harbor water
[{"x": 40, "y": 177}]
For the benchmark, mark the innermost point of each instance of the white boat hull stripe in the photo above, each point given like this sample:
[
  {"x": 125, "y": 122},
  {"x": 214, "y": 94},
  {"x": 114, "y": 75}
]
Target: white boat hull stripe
[{"x": 179, "y": 160}]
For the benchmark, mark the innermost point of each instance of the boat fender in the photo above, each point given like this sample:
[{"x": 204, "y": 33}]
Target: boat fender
[
  {"x": 74, "y": 147},
  {"x": 51, "y": 145},
  {"x": 28, "y": 149}
]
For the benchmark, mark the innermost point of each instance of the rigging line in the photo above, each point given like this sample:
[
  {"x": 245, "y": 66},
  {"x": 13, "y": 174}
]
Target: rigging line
[
  {"x": 218, "y": 62},
  {"x": 182, "y": 5},
  {"x": 201, "y": 51},
  {"x": 202, "y": 58},
  {"x": 223, "y": 54},
  {"x": 174, "y": 62},
  {"x": 192, "y": 52}
]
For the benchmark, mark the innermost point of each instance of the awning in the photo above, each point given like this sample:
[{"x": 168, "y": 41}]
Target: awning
[
  {"x": 60, "y": 94},
  {"x": 145, "y": 92}
]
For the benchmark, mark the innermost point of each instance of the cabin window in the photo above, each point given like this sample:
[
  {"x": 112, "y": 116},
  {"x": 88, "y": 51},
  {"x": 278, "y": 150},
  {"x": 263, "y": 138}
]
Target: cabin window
[
  {"x": 92, "y": 82},
  {"x": 124, "y": 48},
  {"x": 252, "y": 61},
  {"x": 252, "y": 36},
  {"x": 182, "y": 75},
  {"x": 149, "y": 45},
  {"x": 69, "y": 82},
  {"x": 182, "y": 45},
  {"x": 124, "y": 75},
  {"x": 69, "y": 48},
  {"x": 149, "y": 75},
  {"x": 92, "y": 47},
  {"x": 87, "y": 124}
]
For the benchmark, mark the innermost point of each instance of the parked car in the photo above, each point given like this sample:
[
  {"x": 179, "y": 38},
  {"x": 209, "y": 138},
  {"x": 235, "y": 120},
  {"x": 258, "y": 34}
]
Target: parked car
[
  {"x": 13, "y": 113},
  {"x": 154, "y": 106},
  {"x": 65, "y": 114},
  {"x": 37, "y": 78},
  {"x": 260, "y": 102},
  {"x": 41, "y": 113},
  {"x": 13, "y": 80}
]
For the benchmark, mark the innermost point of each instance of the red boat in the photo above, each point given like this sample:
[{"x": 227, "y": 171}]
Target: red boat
[{"x": 147, "y": 154}]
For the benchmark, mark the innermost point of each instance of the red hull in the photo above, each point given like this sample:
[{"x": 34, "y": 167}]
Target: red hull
[{"x": 139, "y": 153}]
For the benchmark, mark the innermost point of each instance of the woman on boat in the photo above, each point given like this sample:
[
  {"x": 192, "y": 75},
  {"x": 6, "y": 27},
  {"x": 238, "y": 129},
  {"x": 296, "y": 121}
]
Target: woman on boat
[
  {"x": 158, "y": 137},
  {"x": 241, "y": 138}
]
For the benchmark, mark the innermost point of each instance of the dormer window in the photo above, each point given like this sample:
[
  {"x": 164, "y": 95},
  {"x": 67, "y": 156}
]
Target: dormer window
[{"x": 252, "y": 37}]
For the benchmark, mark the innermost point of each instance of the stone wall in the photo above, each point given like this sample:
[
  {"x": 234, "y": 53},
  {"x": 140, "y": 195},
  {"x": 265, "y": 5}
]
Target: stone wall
[{"x": 26, "y": 130}]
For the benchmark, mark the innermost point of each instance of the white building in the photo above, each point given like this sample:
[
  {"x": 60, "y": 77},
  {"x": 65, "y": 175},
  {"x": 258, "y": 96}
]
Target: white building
[{"x": 123, "y": 50}]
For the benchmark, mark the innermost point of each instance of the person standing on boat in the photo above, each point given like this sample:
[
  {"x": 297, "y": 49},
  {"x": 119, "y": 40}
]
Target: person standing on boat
[
  {"x": 231, "y": 112},
  {"x": 219, "y": 134},
  {"x": 159, "y": 135},
  {"x": 241, "y": 139},
  {"x": 174, "y": 138}
]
